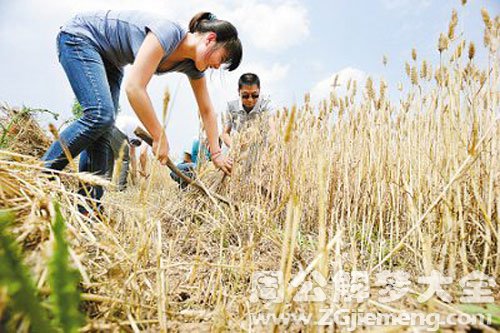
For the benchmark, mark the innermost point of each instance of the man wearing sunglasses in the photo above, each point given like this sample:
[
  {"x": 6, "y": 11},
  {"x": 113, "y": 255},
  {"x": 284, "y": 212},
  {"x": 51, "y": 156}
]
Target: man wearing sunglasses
[{"x": 241, "y": 111}]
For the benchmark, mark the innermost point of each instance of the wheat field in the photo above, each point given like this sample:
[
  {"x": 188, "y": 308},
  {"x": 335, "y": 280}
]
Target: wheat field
[{"x": 361, "y": 182}]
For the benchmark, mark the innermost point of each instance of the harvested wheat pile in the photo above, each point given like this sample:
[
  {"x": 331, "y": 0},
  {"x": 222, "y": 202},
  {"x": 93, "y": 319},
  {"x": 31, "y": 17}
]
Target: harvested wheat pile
[{"x": 21, "y": 133}]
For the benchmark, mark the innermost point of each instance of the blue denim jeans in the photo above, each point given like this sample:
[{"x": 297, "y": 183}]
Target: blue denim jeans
[
  {"x": 188, "y": 170},
  {"x": 117, "y": 141},
  {"x": 96, "y": 84}
]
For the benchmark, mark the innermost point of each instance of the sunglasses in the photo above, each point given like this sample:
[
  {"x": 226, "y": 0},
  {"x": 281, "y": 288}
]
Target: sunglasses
[
  {"x": 247, "y": 96},
  {"x": 135, "y": 142}
]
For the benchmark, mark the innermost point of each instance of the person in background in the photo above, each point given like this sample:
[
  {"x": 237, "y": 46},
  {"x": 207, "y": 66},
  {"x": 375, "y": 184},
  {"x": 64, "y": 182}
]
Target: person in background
[
  {"x": 241, "y": 111},
  {"x": 194, "y": 154}
]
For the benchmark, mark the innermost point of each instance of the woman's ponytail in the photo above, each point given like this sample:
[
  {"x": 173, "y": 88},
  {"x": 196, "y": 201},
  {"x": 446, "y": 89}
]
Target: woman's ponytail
[
  {"x": 226, "y": 33},
  {"x": 195, "y": 21}
]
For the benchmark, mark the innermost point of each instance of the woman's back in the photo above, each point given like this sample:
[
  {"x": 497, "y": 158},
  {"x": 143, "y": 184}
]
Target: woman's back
[{"x": 118, "y": 35}]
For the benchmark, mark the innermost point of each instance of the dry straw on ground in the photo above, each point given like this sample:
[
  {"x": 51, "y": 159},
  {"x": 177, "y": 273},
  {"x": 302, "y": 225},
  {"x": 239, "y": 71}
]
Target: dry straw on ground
[
  {"x": 20, "y": 131},
  {"x": 359, "y": 183}
]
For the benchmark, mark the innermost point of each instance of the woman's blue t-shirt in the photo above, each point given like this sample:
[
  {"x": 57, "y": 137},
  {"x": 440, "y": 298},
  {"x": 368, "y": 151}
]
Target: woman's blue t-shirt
[{"x": 118, "y": 35}]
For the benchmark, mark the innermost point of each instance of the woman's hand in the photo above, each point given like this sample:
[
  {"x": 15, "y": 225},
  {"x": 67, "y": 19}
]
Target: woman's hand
[
  {"x": 161, "y": 149},
  {"x": 223, "y": 162}
]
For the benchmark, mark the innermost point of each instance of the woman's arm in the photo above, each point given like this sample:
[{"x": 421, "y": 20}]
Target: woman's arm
[
  {"x": 210, "y": 123},
  {"x": 146, "y": 62}
]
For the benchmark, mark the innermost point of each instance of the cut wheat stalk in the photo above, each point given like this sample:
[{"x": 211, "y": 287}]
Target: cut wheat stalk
[{"x": 194, "y": 182}]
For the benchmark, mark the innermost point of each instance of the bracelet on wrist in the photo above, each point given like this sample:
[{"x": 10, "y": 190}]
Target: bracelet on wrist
[{"x": 216, "y": 156}]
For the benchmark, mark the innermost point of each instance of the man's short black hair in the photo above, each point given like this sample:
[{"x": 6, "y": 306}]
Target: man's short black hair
[{"x": 248, "y": 79}]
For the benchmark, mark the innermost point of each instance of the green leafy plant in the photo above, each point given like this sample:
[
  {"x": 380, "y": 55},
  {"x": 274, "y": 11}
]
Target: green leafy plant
[
  {"x": 15, "y": 277},
  {"x": 64, "y": 280},
  {"x": 77, "y": 109}
]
